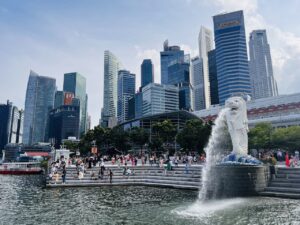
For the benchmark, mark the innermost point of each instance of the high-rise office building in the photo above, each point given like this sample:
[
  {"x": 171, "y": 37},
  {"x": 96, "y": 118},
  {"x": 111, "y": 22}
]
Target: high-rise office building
[
  {"x": 75, "y": 83},
  {"x": 261, "y": 69},
  {"x": 64, "y": 122},
  {"x": 126, "y": 90},
  {"x": 179, "y": 75},
  {"x": 213, "y": 77},
  {"x": 231, "y": 55},
  {"x": 169, "y": 54},
  {"x": 158, "y": 98},
  {"x": 147, "y": 72},
  {"x": 11, "y": 123},
  {"x": 138, "y": 104},
  {"x": 205, "y": 41},
  {"x": 197, "y": 81},
  {"x": 39, "y": 101},
  {"x": 110, "y": 96}
]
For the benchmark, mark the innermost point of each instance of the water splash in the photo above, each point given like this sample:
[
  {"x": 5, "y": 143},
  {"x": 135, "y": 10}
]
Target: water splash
[
  {"x": 214, "y": 151},
  {"x": 205, "y": 209}
]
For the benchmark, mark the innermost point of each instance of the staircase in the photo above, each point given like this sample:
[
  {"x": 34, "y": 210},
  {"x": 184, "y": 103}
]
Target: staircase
[
  {"x": 286, "y": 184},
  {"x": 142, "y": 175}
]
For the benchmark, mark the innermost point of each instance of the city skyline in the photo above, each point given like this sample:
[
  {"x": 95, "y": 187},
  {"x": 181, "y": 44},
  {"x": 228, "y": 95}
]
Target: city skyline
[{"x": 39, "y": 41}]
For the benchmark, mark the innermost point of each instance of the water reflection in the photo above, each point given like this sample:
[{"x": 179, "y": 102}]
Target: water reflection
[{"x": 25, "y": 201}]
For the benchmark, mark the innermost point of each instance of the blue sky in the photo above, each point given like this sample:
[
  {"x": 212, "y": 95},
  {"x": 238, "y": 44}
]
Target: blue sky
[{"x": 59, "y": 36}]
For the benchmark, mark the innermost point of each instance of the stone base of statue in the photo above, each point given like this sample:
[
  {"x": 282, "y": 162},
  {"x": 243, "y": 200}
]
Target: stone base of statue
[{"x": 237, "y": 178}]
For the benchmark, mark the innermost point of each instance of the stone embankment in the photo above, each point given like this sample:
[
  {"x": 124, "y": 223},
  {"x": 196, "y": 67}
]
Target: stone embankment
[
  {"x": 141, "y": 175},
  {"x": 285, "y": 184}
]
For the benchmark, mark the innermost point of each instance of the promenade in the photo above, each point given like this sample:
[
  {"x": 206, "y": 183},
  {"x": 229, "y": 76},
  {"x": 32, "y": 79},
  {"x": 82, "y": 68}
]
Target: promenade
[{"x": 178, "y": 177}]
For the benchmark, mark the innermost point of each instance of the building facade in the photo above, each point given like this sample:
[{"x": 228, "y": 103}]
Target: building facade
[
  {"x": 280, "y": 111},
  {"x": 205, "y": 41},
  {"x": 64, "y": 123},
  {"x": 213, "y": 77},
  {"x": 179, "y": 75},
  {"x": 231, "y": 55},
  {"x": 260, "y": 64},
  {"x": 169, "y": 54},
  {"x": 110, "y": 96},
  {"x": 147, "y": 72},
  {"x": 197, "y": 82},
  {"x": 39, "y": 101},
  {"x": 158, "y": 98},
  {"x": 11, "y": 123},
  {"x": 75, "y": 83},
  {"x": 126, "y": 90}
]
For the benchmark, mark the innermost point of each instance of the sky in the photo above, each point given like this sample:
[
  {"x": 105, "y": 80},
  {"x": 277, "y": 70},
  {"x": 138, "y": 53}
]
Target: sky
[{"x": 53, "y": 37}]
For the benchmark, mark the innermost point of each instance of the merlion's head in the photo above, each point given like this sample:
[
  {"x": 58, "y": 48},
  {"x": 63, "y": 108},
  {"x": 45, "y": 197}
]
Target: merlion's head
[{"x": 236, "y": 105}]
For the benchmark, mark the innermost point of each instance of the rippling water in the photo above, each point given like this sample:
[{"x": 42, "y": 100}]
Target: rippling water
[{"x": 23, "y": 200}]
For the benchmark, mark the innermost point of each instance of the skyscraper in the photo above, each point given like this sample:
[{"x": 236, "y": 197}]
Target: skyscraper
[
  {"x": 11, "y": 122},
  {"x": 213, "y": 77},
  {"x": 126, "y": 90},
  {"x": 231, "y": 55},
  {"x": 147, "y": 74},
  {"x": 169, "y": 54},
  {"x": 261, "y": 69},
  {"x": 75, "y": 83},
  {"x": 179, "y": 75},
  {"x": 205, "y": 41},
  {"x": 110, "y": 95},
  {"x": 39, "y": 101},
  {"x": 197, "y": 81},
  {"x": 159, "y": 98}
]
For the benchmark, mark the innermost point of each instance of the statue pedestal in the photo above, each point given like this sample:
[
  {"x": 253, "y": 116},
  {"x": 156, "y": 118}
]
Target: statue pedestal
[{"x": 228, "y": 181}]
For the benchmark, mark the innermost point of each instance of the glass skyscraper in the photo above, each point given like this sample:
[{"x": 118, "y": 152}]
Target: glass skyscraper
[
  {"x": 261, "y": 69},
  {"x": 159, "y": 98},
  {"x": 231, "y": 55},
  {"x": 169, "y": 54},
  {"x": 11, "y": 123},
  {"x": 147, "y": 74},
  {"x": 205, "y": 41},
  {"x": 75, "y": 83},
  {"x": 179, "y": 75},
  {"x": 110, "y": 96},
  {"x": 213, "y": 77},
  {"x": 39, "y": 101},
  {"x": 197, "y": 81},
  {"x": 126, "y": 90}
]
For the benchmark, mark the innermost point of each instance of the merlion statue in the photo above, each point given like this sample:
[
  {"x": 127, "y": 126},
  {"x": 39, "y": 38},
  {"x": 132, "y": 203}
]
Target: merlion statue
[{"x": 237, "y": 123}]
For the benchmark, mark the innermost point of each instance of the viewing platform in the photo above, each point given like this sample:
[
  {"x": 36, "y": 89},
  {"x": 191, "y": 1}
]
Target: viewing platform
[{"x": 155, "y": 176}]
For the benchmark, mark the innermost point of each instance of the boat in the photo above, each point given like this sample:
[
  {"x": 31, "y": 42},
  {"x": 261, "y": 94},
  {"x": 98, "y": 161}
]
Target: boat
[{"x": 20, "y": 168}]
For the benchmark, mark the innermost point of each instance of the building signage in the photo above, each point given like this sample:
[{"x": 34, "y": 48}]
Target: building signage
[{"x": 229, "y": 24}]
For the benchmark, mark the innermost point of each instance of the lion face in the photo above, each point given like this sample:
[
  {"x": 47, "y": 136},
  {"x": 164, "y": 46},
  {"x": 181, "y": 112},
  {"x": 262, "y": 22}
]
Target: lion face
[{"x": 235, "y": 104}]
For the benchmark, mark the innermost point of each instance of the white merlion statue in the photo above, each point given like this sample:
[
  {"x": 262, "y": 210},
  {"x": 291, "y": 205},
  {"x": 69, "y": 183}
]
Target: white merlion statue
[{"x": 237, "y": 123}]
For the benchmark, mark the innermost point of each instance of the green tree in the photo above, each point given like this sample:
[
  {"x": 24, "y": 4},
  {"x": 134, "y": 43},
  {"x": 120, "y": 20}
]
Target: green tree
[
  {"x": 120, "y": 139},
  {"x": 287, "y": 138},
  {"x": 260, "y": 136},
  {"x": 194, "y": 135},
  {"x": 139, "y": 137},
  {"x": 163, "y": 132}
]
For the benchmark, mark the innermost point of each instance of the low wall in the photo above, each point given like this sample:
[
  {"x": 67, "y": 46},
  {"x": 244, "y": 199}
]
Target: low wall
[{"x": 237, "y": 181}]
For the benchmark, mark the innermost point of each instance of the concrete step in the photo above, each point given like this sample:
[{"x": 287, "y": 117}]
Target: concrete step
[
  {"x": 281, "y": 184},
  {"x": 282, "y": 190},
  {"x": 143, "y": 177},
  {"x": 280, "y": 194},
  {"x": 288, "y": 176},
  {"x": 130, "y": 180},
  {"x": 284, "y": 180}
]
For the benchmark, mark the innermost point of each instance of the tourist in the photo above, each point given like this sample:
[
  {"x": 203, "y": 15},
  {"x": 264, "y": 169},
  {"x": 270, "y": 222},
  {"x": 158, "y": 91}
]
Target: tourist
[
  {"x": 161, "y": 162},
  {"x": 143, "y": 160},
  {"x": 287, "y": 160},
  {"x": 110, "y": 176},
  {"x": 125, "y": 170},
  {"x": 151, "y": 160},
  {"x": 113, "y": 159},
  {"x": 186, "y": 168},
  {"x": 64, "y": 173},
  {"x": 135, "y": 161}
]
